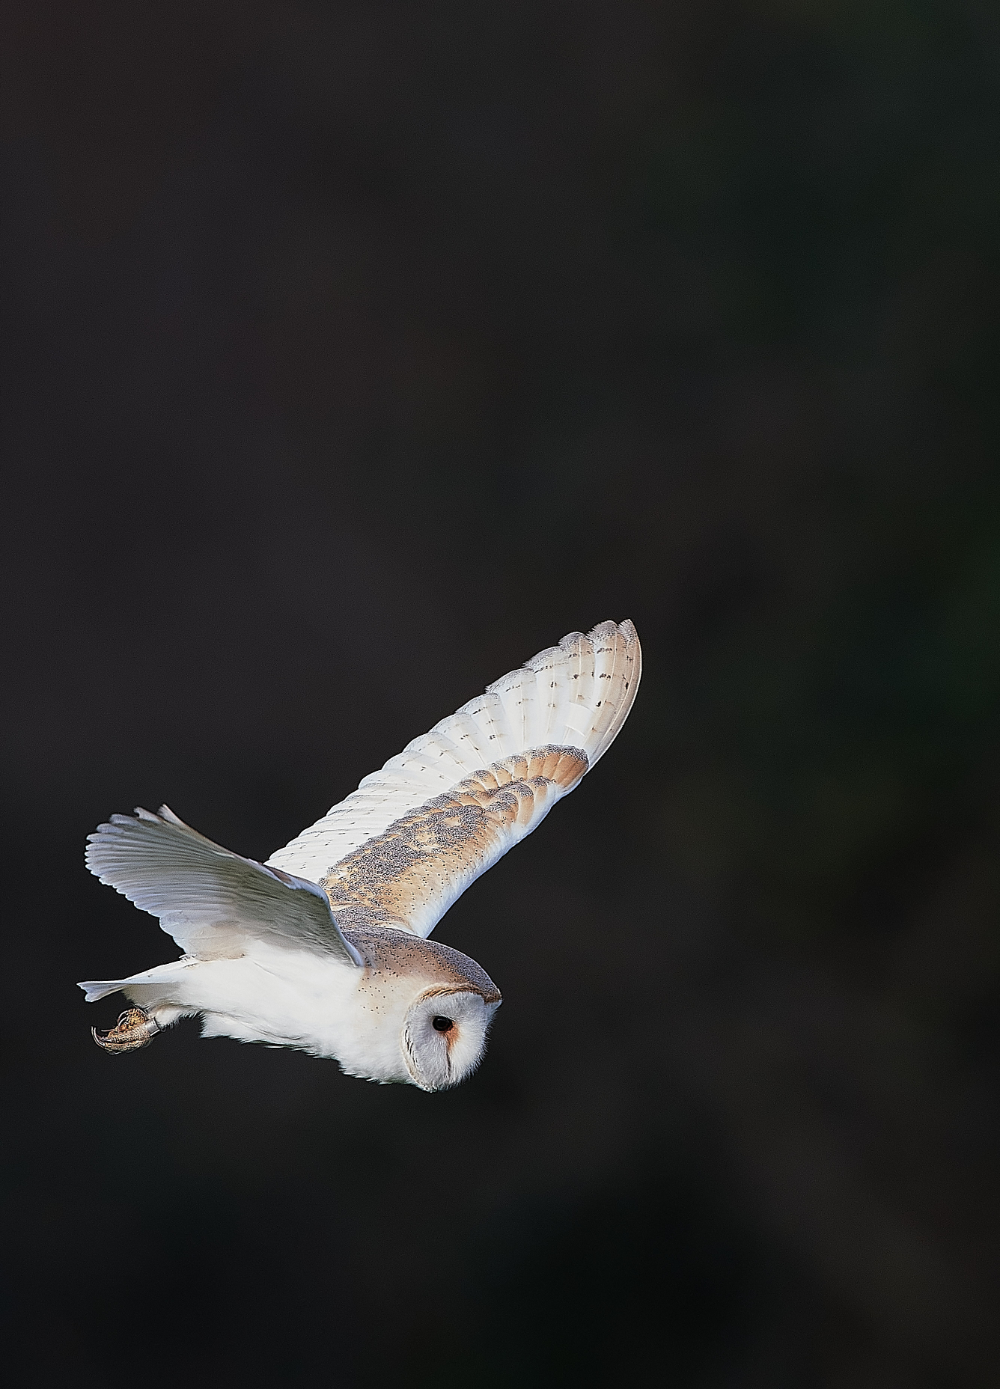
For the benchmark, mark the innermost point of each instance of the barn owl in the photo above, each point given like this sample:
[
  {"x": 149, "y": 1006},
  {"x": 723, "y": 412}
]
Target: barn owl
[{"x": 324, "y": 947}]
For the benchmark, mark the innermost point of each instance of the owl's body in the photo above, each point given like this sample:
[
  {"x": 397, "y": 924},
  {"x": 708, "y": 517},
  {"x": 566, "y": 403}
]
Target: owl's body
[
  {"x": 324, "y": 947},
  {"x": 294, "y": 998}
]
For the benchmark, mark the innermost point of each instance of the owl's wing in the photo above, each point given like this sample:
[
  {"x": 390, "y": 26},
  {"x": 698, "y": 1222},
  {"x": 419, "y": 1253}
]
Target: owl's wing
[
  {"x": 212, "y": 901},
  {"x": 409, "y": 841}
]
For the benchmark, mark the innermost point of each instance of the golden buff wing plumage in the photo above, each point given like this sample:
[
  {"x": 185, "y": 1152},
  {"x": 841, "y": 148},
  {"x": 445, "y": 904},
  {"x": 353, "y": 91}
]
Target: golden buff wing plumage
[{"x": 408, "y": 842}]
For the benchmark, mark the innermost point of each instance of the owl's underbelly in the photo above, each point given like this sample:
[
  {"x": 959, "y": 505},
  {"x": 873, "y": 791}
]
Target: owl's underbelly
[
  {"x": 290, "y": 998},
  {"x": 283, "y": 997}
]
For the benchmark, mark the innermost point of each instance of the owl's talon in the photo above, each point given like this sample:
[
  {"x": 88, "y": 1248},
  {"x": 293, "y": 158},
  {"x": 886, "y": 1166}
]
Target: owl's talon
[{"x": 134, "y": 1029}]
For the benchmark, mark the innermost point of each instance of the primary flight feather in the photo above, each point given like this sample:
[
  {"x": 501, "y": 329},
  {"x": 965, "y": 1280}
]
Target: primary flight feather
[{"x": 324, "y": 947}]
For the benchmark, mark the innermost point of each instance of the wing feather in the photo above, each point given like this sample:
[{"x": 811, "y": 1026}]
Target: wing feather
[
  {"x": 579, "y": 713},
  {"x": 413, "y": 836},
  {"x": 210, "y": 900},
  {"x": 510, "y": 690}
]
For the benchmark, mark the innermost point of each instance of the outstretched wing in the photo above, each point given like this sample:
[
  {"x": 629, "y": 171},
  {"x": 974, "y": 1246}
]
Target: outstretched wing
[
  {"x": 210, "y": 900},
  {"x": 411, "y": 839}
]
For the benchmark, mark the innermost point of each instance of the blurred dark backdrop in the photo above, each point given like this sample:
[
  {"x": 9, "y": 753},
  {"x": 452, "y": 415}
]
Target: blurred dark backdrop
[{"x": 352, "y": 353}]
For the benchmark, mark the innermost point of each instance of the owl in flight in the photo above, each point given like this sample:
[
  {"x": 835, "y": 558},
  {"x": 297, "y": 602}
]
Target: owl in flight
[{"x": 324, "y": 947}]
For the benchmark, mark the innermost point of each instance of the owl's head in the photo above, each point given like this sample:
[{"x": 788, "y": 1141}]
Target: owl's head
[{"x": 444, "y": 1035}]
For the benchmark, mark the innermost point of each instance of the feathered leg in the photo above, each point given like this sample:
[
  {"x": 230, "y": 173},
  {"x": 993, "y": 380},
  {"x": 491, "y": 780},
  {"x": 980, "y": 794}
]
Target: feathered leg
[{"x": 134, "y": 1029}]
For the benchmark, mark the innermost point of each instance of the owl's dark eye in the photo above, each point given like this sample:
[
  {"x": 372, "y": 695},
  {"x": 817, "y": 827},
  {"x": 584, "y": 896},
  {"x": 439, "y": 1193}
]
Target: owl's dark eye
[{"x": 442, "y": 1024}]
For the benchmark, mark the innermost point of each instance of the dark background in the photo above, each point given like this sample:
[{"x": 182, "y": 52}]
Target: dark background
[{"x": 353, "y": 352}]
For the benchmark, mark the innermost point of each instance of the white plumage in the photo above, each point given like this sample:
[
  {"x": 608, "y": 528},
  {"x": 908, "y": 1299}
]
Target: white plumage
[{"x": 324, "y": 947}]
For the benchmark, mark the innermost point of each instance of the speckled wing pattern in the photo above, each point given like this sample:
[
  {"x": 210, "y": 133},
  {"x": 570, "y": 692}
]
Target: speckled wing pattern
[
  {"x": 401, "y": 849},
  {"x": 209, "y": 899}
]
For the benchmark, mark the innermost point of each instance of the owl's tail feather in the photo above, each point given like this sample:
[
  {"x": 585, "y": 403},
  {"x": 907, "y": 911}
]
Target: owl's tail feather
[
  {"x": 100, "y": 988},
  {"x": 155, "y": 990}
]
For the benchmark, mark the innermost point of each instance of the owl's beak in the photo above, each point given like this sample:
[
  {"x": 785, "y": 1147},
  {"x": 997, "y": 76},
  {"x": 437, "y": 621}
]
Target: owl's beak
[{"x": 134, "y": 1029}]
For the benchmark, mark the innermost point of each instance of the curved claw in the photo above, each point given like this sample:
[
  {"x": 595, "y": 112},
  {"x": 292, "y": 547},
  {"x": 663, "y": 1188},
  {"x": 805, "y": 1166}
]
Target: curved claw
[{"x": 134, "y": 1029}]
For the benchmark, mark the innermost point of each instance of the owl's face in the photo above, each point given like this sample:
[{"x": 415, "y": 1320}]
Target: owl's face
[{"x": 444, "y": 1036}]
